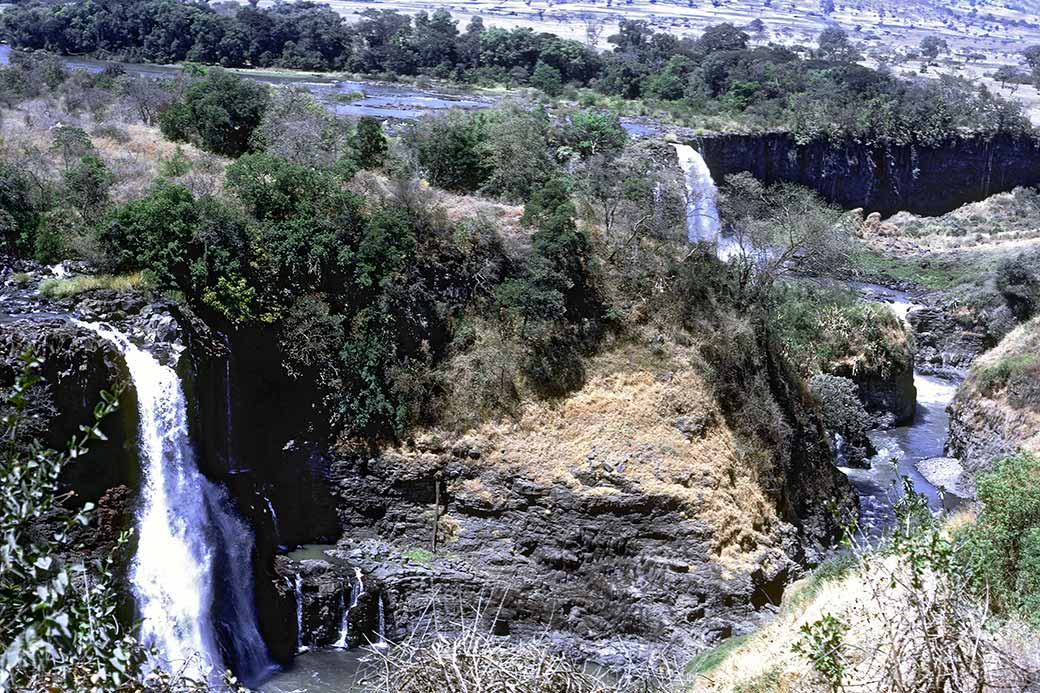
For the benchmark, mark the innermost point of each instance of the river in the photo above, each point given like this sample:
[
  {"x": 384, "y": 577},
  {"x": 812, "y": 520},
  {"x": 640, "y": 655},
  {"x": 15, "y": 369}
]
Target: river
[
  {"x": 391, "y": 101},
  {"x": 901, "y": 449}
]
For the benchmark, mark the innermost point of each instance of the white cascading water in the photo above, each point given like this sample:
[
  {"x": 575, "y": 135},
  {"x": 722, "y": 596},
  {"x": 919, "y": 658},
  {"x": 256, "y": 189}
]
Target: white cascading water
[
  {"x": 185, "y": 530},
  {"x": 355, "y": 594},
  {"x": 298, "y": 590},
  {"x": 702, "y": 215},
  {"x": 381, "y": 632}
]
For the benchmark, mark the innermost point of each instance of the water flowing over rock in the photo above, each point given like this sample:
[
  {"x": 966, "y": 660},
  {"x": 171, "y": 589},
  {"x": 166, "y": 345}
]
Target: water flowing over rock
[
  {"x": 193, "y": 551},
  {"x": 703, "y": 224}
]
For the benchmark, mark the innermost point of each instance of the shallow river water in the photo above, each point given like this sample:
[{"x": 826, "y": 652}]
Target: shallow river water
[{"x": 900, "y": 449}]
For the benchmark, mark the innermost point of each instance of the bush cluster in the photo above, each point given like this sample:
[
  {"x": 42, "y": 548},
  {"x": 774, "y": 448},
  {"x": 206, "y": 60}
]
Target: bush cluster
[{"x": 1002, "y": 549}]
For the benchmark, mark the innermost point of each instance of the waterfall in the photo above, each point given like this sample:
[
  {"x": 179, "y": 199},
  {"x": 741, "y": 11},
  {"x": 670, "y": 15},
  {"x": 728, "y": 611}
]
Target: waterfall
[
  {"x": 381, "y": 632},
  {"x": 274, "y": 518},
  {"x": 193, "y": 553},
  {"x": 702, "y": 215},
  {"x": 355, "y": 594},
  {"x": 298, "y": 590}
]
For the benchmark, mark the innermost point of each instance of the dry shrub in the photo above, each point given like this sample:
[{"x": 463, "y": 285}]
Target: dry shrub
[
  {"x": 929, "y": 634},
  {"x": 473, "y": 660}
]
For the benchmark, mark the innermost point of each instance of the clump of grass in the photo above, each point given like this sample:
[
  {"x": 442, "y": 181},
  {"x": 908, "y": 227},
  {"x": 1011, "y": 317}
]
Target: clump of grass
[
  {"x": 175, "y": 165},
  {"x": 348, "y": 96},
  {"x": 936, "y": 275},
  {"x": 21, "y": 278},
  {"x": 766, "y": 682},
  {"x": 993, "y": 377},
  {"x": 421, "y": 556},
  {"x": 710, "y": 659},
  {"x": 64, "y": 287}
]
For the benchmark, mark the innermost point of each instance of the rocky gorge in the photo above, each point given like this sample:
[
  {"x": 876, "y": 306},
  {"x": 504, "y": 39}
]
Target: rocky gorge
[{"x": 615, "y": 543}]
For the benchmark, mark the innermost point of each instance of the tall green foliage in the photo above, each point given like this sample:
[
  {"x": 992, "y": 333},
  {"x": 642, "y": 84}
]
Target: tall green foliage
[
  {"x": 58, "y": 629},
  {"x": 1002, "y": 549},
  {"x": 218, "y": 112}
]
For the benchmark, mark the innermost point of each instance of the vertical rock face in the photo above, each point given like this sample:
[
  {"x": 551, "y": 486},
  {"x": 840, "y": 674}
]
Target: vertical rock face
[
  {"x": 77, "y": 366},
  {"x": 890, "y": 396},
  {"x": 943, "y": 343},
  {"x": 630, "y": 515},
  {"x": 889, "y": 179},
  {"x": 997, "y": 409}
]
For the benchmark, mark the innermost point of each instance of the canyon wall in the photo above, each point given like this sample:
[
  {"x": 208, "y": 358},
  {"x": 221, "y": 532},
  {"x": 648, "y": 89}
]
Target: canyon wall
[{"x": 885, "y": 179}]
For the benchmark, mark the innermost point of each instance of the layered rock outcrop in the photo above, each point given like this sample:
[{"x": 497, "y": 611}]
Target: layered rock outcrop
[
  {"x": 885, "y": 179},
  {"x": 997, "y": 409}
]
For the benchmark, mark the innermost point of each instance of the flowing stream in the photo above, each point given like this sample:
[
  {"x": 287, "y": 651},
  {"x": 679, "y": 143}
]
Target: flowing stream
[
  {"x": 191, "y": 577},
  {"x": 901, "y": 449}
]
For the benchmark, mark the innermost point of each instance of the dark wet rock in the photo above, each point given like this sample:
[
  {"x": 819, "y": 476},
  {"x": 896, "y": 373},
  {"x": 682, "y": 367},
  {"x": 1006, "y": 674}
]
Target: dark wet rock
[{"x": 891, "y": 396}]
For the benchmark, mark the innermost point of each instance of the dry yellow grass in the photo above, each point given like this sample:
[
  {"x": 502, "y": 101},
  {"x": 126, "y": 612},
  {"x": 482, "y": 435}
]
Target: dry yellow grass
[
  {"x": 621, "y": 426},
  {"x": 133, "y": 152},
  {"x": 883, "y": 612}
]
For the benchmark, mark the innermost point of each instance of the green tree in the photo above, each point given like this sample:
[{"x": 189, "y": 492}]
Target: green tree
[
  {"x": 591, "y": 132},
  {"x": 833, "y": 44},
  {"x": 547, "y": 78},
  {"x": 87, "y": 185},
  {"x": 1032, "y": 58},
  {"x": 218, "y": 112},
  {"x": 516, "y": 152},
  {"x": 19, "y": 217},
  {"x": 723, "y": 37},
  {"x": 932, "y": 46},
  {"x": 449, "y": 150},
  {"x": 368, "y": 144}
]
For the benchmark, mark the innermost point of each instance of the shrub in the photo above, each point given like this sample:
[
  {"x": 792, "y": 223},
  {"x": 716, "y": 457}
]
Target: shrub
[
  {"x": 218, "y": 113},
  {"x": 87, "y": 184},
  {"x": 448, "y": 147},
  {"x": 823, "y": 329},
  {"x": 843, "y": 413},
  {"x": 18, "y": 211},
  {"x": 1002, "y": 549},
  {"x": 175, "y": 165},
  {"x": 590, "y": 132},
  {"x": 368, "y": 144},
  {"x": 554, "y": 365},
  {"x": 1018, "y": 280}
]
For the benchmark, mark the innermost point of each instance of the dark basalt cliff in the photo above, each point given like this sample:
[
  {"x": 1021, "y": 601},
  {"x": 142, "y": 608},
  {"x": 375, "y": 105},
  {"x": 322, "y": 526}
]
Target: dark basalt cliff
[{"x": 885, "y": 179}]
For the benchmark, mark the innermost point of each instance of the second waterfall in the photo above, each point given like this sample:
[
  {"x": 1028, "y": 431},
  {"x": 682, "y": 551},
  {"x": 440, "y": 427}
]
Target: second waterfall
[{"x": 193, "y": 551}]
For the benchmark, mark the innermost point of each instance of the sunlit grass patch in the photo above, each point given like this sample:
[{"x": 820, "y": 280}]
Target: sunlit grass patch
[{"x": 63, "y": 287}]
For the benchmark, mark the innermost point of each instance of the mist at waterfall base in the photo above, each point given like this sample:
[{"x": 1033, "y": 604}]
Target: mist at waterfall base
[
  {"x": 703, "y": 224},
  {"x": 191, "y": 577}
]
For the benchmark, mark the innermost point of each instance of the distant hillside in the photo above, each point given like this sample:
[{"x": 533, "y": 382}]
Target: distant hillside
[
  {"x": 975, "y": 24},
  {"x": 982, "y": 34}
]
